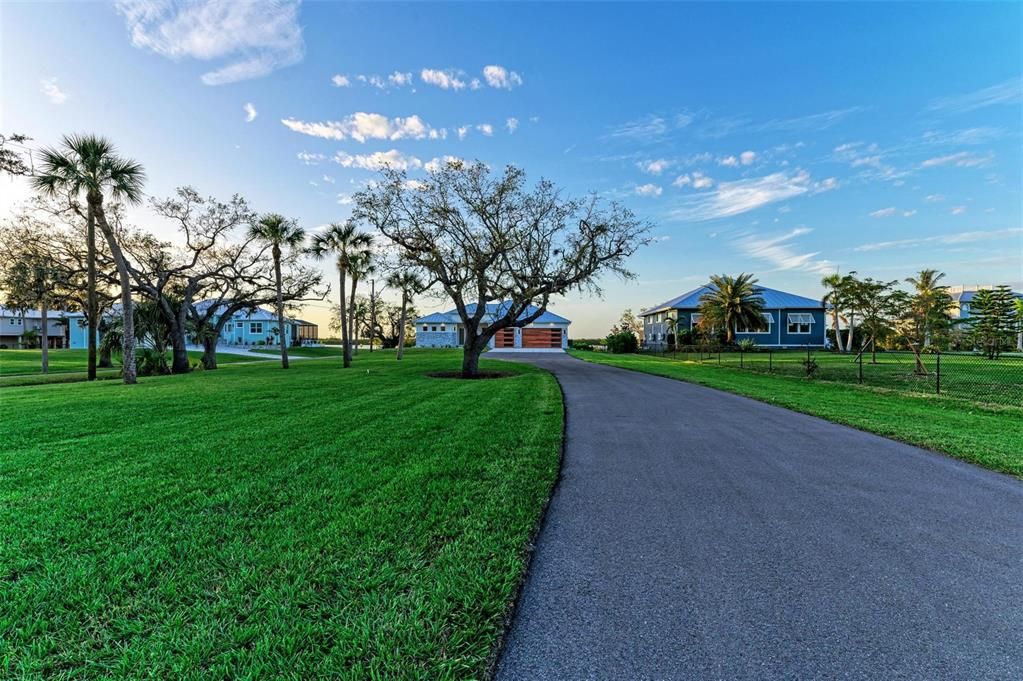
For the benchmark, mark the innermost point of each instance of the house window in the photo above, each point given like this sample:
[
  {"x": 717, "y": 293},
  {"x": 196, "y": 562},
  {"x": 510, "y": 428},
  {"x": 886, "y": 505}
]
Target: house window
[
  {"x": 799, "y": 322},
  {"x": 768, "y": 321},
  {"x": 434, "y": 328},
  {"x": 694, "y": 320},
  {"x": 425, "y": 329},
  {"x": 230, "y": 327},
  {"x": 256, "y": 327},
  {"x": 443, "y": 328}
]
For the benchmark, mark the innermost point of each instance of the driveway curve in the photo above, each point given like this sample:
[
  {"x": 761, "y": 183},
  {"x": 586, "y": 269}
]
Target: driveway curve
[{"x": 696, "y": 534}]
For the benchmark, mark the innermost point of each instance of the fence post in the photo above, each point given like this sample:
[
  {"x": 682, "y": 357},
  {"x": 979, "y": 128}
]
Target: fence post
[
  {"x": 770, "y": 361},
  {"x": 719, "y": 355},
  {"x": 859, "y": 361},
  {"x": 937, "y": 373},
  {"x": 741, "y": 364}
]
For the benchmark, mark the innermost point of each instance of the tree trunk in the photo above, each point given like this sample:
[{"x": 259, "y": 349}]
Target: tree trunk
[
  {"x": 346, "y": 350},
  {"x": 372, "y": 312},
  {"x": 280, "y": 308},
  {"x": 838, "y": 333},
  {"x": 209, "y": 351},
  {"x": 93, "y": 307},
  {"x": 46, "y": 338},
  {"x": 852, "y": 324},
  {"x": 128, "y": 371},
  {"x": 353, "y": 329},
  {"x": 401, "y": 326},
  {"x": 471, "y": 357}
]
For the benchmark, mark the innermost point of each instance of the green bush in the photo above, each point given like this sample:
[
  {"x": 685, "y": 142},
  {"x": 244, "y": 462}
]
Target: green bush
[
  {"x": 622, "y": 341},
  {"x": 747, "y": 345}
]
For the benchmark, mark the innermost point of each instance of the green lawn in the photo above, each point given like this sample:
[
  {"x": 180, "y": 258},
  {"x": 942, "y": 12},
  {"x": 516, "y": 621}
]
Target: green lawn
[
  {"x": 251, "y": 522},
  {"x": 305, "y": 352},
  {"x": 991, "y": 436},
  {"x": 22, "y": 367},
  {"x": 965, "y": 375}
]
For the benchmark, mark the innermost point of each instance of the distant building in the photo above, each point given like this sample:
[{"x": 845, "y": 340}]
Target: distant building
[
  {"x": 962, "y": 299},
  {"x": 790, "y": 320},
  {"x": 258, "y": 326},
  {"x": 548, "y": 332},
  {"x": 15, "y": 323}
]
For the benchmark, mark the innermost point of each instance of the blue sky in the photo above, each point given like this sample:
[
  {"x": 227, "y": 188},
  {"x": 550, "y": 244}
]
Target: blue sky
[{"x": 787, "y": 140}]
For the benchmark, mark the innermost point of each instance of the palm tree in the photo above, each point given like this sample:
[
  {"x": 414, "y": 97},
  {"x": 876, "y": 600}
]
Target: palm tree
[
  {"x": 410, "y": 284},
  {"x": 88, "y": 164},
  {"x": 278, "y": 231},
  {"x": 360, "y": 266},
  {"x": 732, "y": 302},
  {"x": 835, "y": 283},
  {"x": 345, "y": 242},
  {"x": 1017, "y": 307},
  {"x": 931, "y": 300}
]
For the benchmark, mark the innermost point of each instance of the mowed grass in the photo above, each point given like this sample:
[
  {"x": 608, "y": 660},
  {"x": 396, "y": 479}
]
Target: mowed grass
[
  {"x": 24, "y": 367},
  {"x": 991, "y": 436},
  {"x": 309, "y": 351},
  {"x": 966, "y": 375},
  {"x": 251, "y": 522}
]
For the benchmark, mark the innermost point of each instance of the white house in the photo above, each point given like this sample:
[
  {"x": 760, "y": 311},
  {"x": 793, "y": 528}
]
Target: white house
[{"x": 547, "y": 333}]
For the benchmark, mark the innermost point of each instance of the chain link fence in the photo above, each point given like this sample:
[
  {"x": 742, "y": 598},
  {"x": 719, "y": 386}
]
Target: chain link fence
[{"x": 965, "y": 375}]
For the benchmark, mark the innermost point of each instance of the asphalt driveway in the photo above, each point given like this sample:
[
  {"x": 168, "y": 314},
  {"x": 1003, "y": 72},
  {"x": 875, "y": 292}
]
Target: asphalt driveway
[{"x": 701, "y": 535}]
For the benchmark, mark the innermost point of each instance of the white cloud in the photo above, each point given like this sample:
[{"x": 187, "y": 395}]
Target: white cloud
[
  {"x": 958, "y": 210},
  {"x": 729, "y": 161},
  {"x": 963, "y": 159},
  {"x": 486, "y": 128},
  {"x": 328, "y": 179},
  {"x": 934, "y": 198},
  {"x": 475, "y": 84},
  {"x": 378, "y": 160},
  {"x": 344, "y": 199},
  {"x": 654, "y": 167},
  {"x": 682, "y": 181},
  {"x": 534, "y": 119},
  {"x": 462, "y": 131},
  {"x": 777, "y": 250},
  {"x": 311, "y": 159},
  {"x": 642, "y": 128},
  {"x": 909, "y": 213},
  {"x": 701, "y": 181},
  {"x": 399, "y": 79},
  {"x": 747, "y": 157},
  {"x": 436, "y": 164},
  {"x": 1007, "y": 92},
  {"x": 250, "y": 112},
  {"x": 512, "y": 124},
  {"x": 740, "y": 196},
  {"x": 945, "y": 239},
  {"x": 883, "y": 212},
  {"x": 341, "y": 81},
  {"x": 252, "y": 38},
  {"x": 500, "y": 77},
  {"x": 364, "y": 126},
  {"x": 48, "y": 86},
  {"x": 648, "y": 190},
  {"x": 445, "y": 80}
]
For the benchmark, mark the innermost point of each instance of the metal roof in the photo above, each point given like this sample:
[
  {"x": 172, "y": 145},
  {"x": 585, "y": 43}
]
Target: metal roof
[
  {"x": 773, "y": 299},
  {"x": 493, "y": 311}
]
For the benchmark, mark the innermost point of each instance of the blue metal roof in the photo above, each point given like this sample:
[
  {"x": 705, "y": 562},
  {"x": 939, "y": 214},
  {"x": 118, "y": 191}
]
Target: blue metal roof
[
  {"x": 773, "y": 298},
  {"x": 494, "y": 310},
  {"x": 967, "y": 296}
]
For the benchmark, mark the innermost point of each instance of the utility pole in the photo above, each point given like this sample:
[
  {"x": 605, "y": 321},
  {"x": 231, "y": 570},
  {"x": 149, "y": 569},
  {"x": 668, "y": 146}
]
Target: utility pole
[{"x": 372, "y": 311}]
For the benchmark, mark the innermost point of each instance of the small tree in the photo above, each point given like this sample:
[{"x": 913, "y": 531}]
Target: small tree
[
  {"x": 732, "y": 302},
  {"x": 992, "y": 320},
  {"x": 347, "y": 244},
  {"x": 880, "y": 304},
  {"x": 928, "y": 307},
  {"x": 410, "y": 285},
  {"x": 497, "y": 247}
]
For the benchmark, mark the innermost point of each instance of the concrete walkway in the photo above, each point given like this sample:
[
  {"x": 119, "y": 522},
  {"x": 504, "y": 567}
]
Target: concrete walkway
[{"x": 701, "y": 535}]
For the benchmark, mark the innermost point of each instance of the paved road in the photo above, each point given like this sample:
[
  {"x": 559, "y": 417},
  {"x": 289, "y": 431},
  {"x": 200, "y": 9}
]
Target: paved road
[{"x": 701, "y": 535}]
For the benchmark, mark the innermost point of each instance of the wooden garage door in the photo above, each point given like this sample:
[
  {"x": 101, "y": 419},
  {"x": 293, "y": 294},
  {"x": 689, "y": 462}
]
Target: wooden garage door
[
  {"x": 505, "y": 338},
  {"x": 541, "y": 338}
]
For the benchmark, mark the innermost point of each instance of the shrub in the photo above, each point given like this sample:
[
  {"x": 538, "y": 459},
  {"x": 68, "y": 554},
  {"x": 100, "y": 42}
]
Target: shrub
[
  {"x": 149, "y": 362},
  {"x": 622, "y": 341},
  {"x": 747, "y": 345}
]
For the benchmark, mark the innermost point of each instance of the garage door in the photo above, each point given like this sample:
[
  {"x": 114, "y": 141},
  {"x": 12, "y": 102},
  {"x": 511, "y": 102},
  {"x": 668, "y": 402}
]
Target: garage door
[
  {"x": 505, "y": 338},
  {"x": 541, "y": 338}
]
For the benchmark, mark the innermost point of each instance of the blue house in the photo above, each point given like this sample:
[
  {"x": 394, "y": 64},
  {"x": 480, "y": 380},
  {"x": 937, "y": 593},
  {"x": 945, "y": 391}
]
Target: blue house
[
  {"x": 549, "y": 332},
  {"x": 790, "y": 320},
  {"x": 255, "y": 326}
]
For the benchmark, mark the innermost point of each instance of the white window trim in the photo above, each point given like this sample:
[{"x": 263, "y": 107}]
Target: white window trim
[
  {"x": 252, "y": 328},
  {"x": 801, "y": 319},
  {"x": 694, "y": 320}
]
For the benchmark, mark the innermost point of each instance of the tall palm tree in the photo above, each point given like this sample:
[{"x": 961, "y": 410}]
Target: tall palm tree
[
  {"x": 732, "y": 302},
  {"x": 361, "y": 265},
  {"x": 410, "y": 284},
  {"x": 346, "y": 242},
  {"x": 279, "y": 232},
  {"x": 1017, "y": 308},
  {"x": 930, "y": 301},
  {"x": 89, "y": 165}
]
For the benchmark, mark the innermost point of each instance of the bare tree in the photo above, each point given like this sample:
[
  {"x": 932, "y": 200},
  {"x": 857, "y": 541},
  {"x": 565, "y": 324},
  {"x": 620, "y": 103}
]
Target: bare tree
[{"x": 488, "y": 239}]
